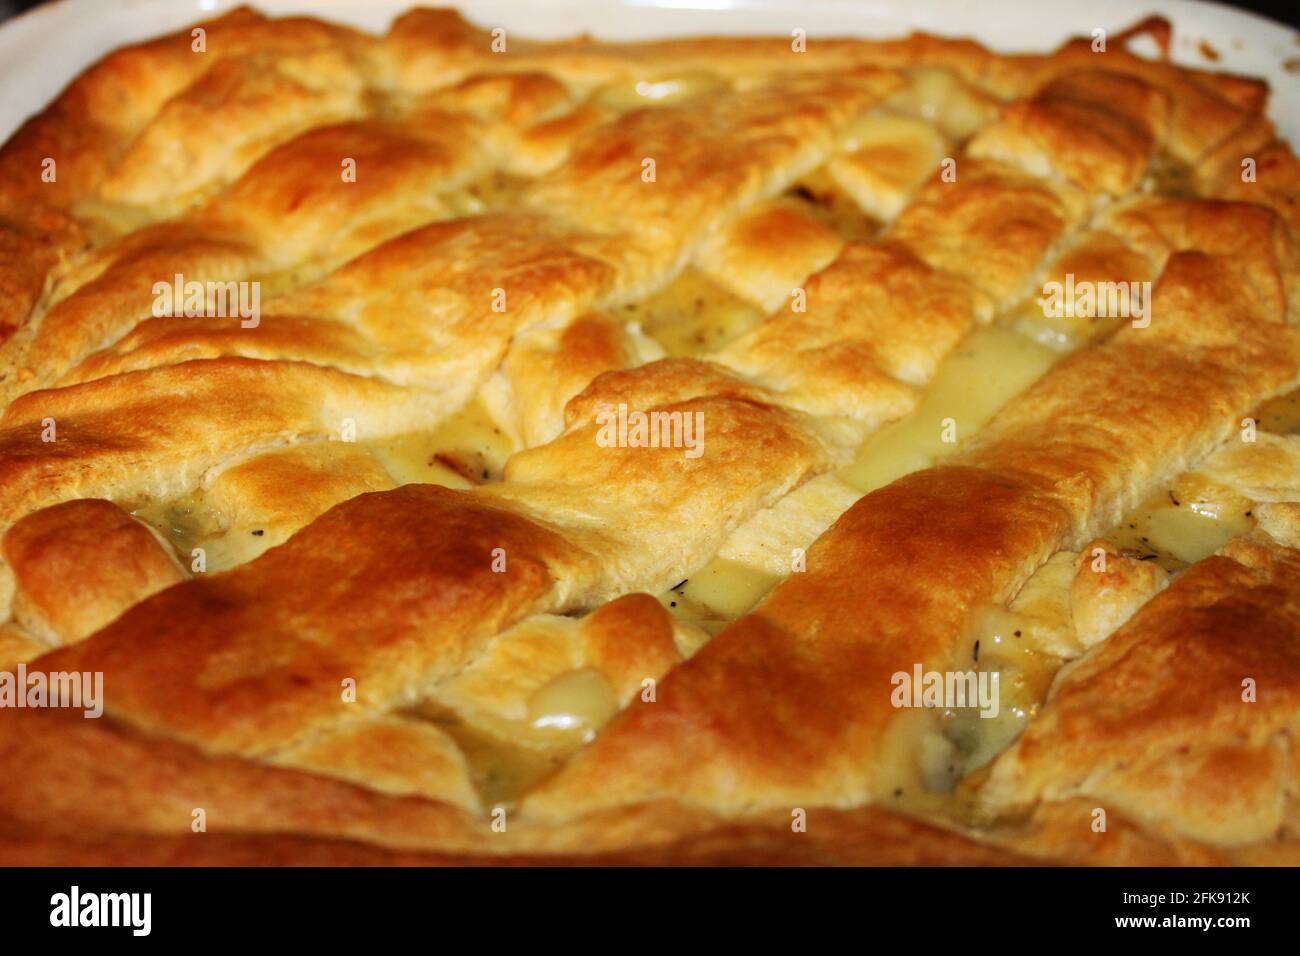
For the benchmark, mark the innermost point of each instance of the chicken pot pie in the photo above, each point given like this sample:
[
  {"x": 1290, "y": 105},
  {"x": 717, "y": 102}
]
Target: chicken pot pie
[{"x": 445, "y": 447}]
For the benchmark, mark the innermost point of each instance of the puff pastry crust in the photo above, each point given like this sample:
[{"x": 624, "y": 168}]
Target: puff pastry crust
[{"x": 369, "y": 580}]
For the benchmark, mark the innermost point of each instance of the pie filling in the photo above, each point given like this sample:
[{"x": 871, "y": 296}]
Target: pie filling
[
  {"x": 1184, "y": 524},
  {"x": 718, "y": 593},
  {"x": 662, "y": 90},
  {"x": 506, "y": 757},
  {"x": 496, "y": 190},
  {"x": 988, "y": 368},
  {"x": 819, "y": 195},
  {"x": 1280, "y": 415},
  {"x": 502, "y": 765},
  {"x": 467, "y": 449},
  {"x": 692, "y": 316}
]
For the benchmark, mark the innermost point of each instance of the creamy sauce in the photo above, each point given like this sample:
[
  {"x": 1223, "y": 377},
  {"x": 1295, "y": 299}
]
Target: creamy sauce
[
  {"x": 822, "y": 198},
  {"x": 718, "y": 593},
  {"x": 507, "y": 757},
  {"x": 1280, "y": 415},
  {"x": 501, "y": 768},
  {"x": 939, "y": 97},
  {"x": 1175, "y": 528},
  {"x": 578, "y": 703},
  {"x": 496, "y": 190},
  {"x": 662, "y": 90},
  {"x": 1184, "y": 524},
  {"x": 467, "y": 449},
  {"x": 187, "y": 523},
  {"x": 1000, "y": 641},
  {"x": 693, "y": 316},
  {"x": 991, "y": 366}
]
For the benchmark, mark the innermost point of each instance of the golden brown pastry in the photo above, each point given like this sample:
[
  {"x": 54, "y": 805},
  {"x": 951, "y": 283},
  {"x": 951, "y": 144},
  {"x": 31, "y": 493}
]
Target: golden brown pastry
[{"x": 595, "y": 453}]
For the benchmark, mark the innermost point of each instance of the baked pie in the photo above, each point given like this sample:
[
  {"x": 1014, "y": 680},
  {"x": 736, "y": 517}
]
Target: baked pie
[{"x": 446, "y": 447}]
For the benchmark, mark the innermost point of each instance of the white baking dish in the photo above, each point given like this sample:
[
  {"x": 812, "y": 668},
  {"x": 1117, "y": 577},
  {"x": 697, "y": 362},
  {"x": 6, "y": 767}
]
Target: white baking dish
[{"x": 41, "y": 51}]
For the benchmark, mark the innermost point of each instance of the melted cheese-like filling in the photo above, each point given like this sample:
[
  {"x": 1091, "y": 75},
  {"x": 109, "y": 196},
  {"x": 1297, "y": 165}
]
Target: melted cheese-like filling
[
  {"x": 500, "y": 768},
  {"x": 823, "y": 198},
  {"x": 932, "y": 750},
  {"x": 1005, "y": 647},
  {"x": 629, "y": 94},
  {"x": 1175, "y": 528},
  {"x": 493, "y": 191},
  {"x": 1184, "y": 524},
  {"x": 992, "y": 365},
  {"x": 938, "y": 96},
  {"x": 467, "y": 449},
  {"x": 505, "y": 756},
  {"x": 188, "y": 523},
  {"x": 577, "y": 702},
  {"x": 692, "y": 316},
  {"x": 718, "y": 593},
  {"x": 1280, "y": 415}
]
